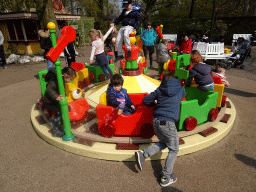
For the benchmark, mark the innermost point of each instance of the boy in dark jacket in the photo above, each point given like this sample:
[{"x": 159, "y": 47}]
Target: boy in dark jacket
[
  {"x": 52, "y": 97},
  {"x": 201, "y": 72},
  {"x": 166, "y": 113},
  {"x": 131, "y": 21},
  {"x": 118, "y": 97}
]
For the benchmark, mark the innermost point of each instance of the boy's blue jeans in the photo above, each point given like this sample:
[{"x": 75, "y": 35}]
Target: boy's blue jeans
[
  {"x": 168, "y": 137},
  {"x": 50, "y": 64}
]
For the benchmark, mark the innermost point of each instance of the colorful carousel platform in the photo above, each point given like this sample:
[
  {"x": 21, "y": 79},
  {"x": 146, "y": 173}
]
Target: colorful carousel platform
[{"x": 90, "y": 143}]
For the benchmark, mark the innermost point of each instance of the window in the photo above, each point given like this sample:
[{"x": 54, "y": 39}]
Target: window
[
  {"x": 17, "y": 33},
  {"x": 11, "y": 30},
  {"x": 30, "y": 27},
  {"x": 18, "y": 28}
]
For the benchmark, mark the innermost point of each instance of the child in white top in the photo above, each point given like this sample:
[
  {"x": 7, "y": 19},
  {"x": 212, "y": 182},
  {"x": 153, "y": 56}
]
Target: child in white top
[
  {"x": 98, "y": 50},
  {"x": 220, "y": 72}
]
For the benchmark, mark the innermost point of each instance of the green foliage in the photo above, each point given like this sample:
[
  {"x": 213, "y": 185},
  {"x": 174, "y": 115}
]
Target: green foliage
[{"x": 84, "y": 26}]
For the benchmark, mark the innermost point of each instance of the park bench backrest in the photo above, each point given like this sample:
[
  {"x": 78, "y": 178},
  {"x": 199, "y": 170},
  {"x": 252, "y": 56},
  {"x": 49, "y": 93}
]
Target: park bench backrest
[
  {"x": 201, "y": 47},
  {"x": 215, "y": 49},
  {"x": 210, "y": 49},
  {"x": 245, "y": 36},
  {"x": 170, "y": 37}
]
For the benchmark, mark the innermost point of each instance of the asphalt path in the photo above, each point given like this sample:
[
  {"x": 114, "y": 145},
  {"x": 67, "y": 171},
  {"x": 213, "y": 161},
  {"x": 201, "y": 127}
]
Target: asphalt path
[{"x": 28, "y": 163}]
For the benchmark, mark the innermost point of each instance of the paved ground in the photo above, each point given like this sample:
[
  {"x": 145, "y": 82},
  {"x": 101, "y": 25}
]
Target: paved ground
[{"x": 28, "y": 163}]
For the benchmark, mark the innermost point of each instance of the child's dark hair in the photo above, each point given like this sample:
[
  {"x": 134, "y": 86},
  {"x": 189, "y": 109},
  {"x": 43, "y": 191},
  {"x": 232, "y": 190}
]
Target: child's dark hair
[
  {"x": 169, "y": 75},
  {"x": 68, "y": 72},
  {"x": 116, "y": 79}
]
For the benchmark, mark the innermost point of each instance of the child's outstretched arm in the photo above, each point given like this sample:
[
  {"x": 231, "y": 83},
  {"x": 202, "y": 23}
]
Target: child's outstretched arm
[
  {"x": 108, "y": 32},
  {"x": 92, "y": 53},
  {"x": 150, "y": 99}
]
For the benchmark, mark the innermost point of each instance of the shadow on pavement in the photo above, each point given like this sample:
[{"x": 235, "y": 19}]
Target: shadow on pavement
[
  {"x": 239, "y": 93},
  {"x": 36, "y": 76},
  {"x": 131, "y": 165},
  {"x": 170, "y": 189},
  {"x": 246, "y": 160},
  {"x": 157, "y": 168}
]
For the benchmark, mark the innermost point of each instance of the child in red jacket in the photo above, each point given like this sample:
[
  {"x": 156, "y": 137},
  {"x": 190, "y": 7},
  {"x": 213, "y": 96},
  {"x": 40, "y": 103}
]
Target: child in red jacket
[{"x": 186, "y": 45}]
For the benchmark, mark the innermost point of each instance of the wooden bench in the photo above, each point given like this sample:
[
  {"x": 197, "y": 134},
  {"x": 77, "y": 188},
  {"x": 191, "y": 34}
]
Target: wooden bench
[
  {"x": 236, "y": 36},
  {"x": 212, "y": 51}
]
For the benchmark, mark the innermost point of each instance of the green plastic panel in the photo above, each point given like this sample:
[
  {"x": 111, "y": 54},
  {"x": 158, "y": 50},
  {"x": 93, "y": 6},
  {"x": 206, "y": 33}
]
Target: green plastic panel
[
  {"x": 198, "y": 105},
  {"x": 181, "y": 62}
]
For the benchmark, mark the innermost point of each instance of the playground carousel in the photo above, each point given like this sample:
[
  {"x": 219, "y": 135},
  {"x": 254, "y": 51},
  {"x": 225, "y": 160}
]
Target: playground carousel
[{"x": 205, "y": 117}]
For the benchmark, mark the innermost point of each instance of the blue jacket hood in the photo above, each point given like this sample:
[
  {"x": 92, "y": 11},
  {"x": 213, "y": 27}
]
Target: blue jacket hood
[
  {"x": 170, "y": 87},
  {"x": 168, "y": 97}
]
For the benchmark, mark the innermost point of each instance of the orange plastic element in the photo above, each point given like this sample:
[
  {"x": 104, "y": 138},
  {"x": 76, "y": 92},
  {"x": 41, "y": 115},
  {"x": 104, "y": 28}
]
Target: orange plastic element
[
  {"x": 122, "y": 64},
  {"x": 134, "y": 52},
  {"x": 216, "y": 80},
  {"x": 172, "y": 65},
  {"x": 140, "y": 123},
  {"x": 159, "y": 32},
  {"x": 77, "y": 109},
  {"x": 68, "y": 34},
  {"x": 142, "y": 66}
]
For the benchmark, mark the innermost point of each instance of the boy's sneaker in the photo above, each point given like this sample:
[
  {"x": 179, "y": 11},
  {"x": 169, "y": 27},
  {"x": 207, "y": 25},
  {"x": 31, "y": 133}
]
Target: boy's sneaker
[
  {"x": 168, "y": 181},
  {"x": 4, "y": 67},
  {"x": 129, "y": 56},
  {"x": 119, "y": 58},
  {"x": 140, "y": 159}
]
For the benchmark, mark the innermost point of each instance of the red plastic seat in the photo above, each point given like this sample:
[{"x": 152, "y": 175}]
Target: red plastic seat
[
  {"x": 217, "y": 80},
  {"x": 77, "y": 109},
  {"x": 139, "y": 124}
]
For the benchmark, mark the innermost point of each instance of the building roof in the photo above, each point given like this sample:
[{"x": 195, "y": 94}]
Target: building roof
[{"x": 33, "y": 15}]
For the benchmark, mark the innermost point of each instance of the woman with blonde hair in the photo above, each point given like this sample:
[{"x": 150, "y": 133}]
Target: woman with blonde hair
[
  {"x": 98, "y": 50},
  {"x": 201, "y": 72}
]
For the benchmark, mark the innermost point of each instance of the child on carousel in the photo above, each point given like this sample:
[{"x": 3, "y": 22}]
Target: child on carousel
[
  {"x": 98, "y": 49},
  {"x": 117, "y": 96},
  {"x": 52, "y": 97},
  {"x": 201, "y": 72},
  {"x": 220, "y": 72},
  {"x": 162, "y": 54},
  {"x": 131, "y": 20}
]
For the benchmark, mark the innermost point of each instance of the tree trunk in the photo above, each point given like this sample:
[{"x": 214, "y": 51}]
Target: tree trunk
[
  {"x": 192, "y": 9},
  {"x": 45, "y": 14},
  {"x": 246, "y": 7}
]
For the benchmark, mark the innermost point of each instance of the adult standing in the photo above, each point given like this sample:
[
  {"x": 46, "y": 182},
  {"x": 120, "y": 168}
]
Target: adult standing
[
  {"x": 148, "y": 36},
  {"x": 131, "y": 20},
  {"x": 46, "y": 44},
  {"x": 2, "y": 54}
]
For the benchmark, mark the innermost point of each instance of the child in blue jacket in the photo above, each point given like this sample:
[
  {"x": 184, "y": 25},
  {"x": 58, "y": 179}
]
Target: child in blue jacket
[
  {"x": 166, "y": 113},
  {"x": 118, "y": 97},
  {"x": 148, "y": 36}
]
